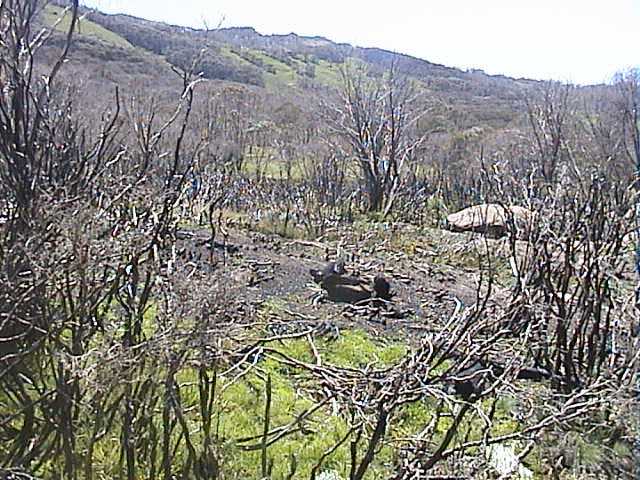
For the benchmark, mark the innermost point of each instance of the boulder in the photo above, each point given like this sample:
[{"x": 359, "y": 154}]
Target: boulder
[
  {"x": 506, "y": 462},
  {"x": 491, "y": 219}
]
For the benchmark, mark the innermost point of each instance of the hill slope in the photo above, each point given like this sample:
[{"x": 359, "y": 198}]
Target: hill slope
[{"x": 280, "y": 62}]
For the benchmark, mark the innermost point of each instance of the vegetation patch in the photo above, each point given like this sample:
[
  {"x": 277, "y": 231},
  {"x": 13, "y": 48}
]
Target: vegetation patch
[{"x": 61, "y": 19}]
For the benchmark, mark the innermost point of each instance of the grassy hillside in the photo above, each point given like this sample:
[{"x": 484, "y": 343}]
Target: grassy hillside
[
  {"x": 58, "y": 17},
  {"x": 282, "y": 62}
]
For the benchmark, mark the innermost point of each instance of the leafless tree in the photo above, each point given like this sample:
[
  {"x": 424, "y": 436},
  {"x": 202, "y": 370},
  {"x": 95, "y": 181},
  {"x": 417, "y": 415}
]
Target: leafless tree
[
  {"x": 627, "y": 85},
  {"x": 549, "y": 114},
  {"x": 86, "y": 226},
  {"x": 101, "y": 319},
  {"x": 628, "y": 88},
  {"x": 374, "y": 120}
]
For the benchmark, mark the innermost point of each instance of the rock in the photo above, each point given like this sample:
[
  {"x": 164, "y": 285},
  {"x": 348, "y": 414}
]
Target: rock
[
  {"x": 491, "y": 219},
  {"x": 505, "y": 461},
  {"x": 329, "y": 475}
]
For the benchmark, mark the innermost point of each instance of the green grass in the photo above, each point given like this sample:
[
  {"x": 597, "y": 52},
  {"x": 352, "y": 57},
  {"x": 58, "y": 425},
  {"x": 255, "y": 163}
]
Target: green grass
[
  {"x": 268, "y": 163},
  {"x": 355, "y": 348},
  {"x": 328, "y": 73},
  {"x": 274, "y": 223},
  {"x": 284, "y": 75},
  {"x": 61, "y": 19},
  {"x": 240, "y": 408},
  {"x": 230, "y": 54},
  {"x": 242, "y": 414}
]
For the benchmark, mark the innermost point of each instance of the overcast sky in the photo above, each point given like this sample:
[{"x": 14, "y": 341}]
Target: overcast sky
[{"x": 582, "y": 41}]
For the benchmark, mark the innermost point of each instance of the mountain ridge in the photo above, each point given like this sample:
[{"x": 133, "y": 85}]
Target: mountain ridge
[
  {"x": 297, "y": 63},
  {"x": 251, "y": 34}
]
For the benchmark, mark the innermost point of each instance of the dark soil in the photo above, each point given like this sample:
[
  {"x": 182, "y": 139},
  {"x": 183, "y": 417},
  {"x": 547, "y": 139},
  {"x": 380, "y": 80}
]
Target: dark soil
[{"x": 428, "y": 282}]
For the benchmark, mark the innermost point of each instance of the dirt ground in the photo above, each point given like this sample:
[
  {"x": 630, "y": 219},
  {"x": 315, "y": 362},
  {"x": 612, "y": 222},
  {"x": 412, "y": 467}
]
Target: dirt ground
[{"x": 432, "y": 272}]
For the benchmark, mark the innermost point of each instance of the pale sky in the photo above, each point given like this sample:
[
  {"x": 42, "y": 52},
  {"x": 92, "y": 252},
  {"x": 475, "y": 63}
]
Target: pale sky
[{"x": 581, "y": 41}]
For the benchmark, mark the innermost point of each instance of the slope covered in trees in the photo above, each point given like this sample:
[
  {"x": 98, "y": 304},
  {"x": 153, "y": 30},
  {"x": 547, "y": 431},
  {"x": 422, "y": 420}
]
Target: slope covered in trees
[{"x": 310, "y": 63}]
